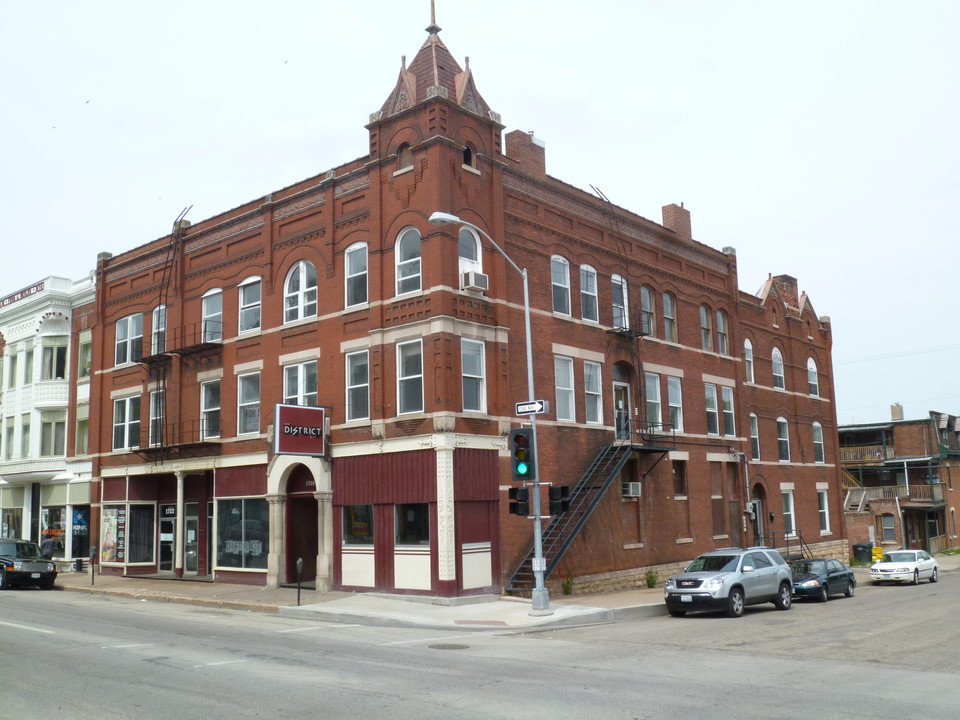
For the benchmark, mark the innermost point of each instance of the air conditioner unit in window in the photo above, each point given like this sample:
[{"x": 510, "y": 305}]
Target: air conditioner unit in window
[
  {"x": 631, "y": 489},
  {"x": 476, "y": 281}
]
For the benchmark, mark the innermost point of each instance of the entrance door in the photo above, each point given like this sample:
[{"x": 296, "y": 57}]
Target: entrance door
[
  {"x": 303, "y": 540},
  {"x": 757, "y": 520},
  {"x": 168, "y": 537},
  {"x": 191, "y": 545},
  {"x": 621, "y": 410}
]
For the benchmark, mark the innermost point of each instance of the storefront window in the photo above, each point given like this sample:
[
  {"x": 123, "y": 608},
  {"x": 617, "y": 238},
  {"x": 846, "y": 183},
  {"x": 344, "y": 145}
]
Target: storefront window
[
  {"x": 413, "y": 524},
  {"x": 113, "y": 536},
  {"x": 53, "y": 523},
  {"x": 140, "y": 534},
  {"x": 127, "y": 534},
  {"x": 12, "y": 524},
  {"x": 243, "y": 528},
  {"x": 81, "y": 531},
  {"x": 358, "y": 524}
]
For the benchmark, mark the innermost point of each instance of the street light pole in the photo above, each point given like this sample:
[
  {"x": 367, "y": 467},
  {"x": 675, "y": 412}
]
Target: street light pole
[{"x": 540, "y": 595}]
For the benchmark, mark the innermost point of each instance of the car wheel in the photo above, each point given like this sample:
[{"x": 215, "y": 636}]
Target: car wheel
[
  {"x": 851, "y": 587},
  {"x": 677, "y": 613},
  {"x": 916, "y": 577},
  {"x": 935, "y": 575},
  {"x": 735, "y": 603},
  {"x": 784, "y": 597},
  {"x": 824, "y": 593}
]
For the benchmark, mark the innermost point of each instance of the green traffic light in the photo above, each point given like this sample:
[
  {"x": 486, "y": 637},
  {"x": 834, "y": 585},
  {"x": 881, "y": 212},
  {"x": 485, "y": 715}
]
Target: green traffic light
[{"x": 522, "y": 468}]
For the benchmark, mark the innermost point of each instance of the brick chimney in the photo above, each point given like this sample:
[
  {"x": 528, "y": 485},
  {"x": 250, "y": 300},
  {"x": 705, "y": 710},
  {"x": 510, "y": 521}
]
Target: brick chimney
[
  {"x": 787, "y": 286},
  {"x": 896, "y": 411},
  {"x": 677, "y": 218},
  {"x": 529, "y": 151}
]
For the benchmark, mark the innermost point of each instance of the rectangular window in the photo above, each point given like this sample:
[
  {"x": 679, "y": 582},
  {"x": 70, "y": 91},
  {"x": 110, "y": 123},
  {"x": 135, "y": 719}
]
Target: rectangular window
[
  {"x": 25, "y": 436},
  {"x": 620, "y": 316},
  {"x": 85, "y": 354},
  {"x": 669, "y": 317},
  {"x": 8, "y": 438},
  {"x": 783, "y": 440},
  {"x": 140, "y": 534},
  {"x": 409, "y": 377},
  {"x": 723, "y": 346},
  {"x": 754, "y": 437},
  {"x": 12, "y": 371},
  {"x": 473, "y": 364},
  {"x": 654, "y": 418},
  {"x": 53, "y": 433},
  {"x": 563, "y": 374},
  {"x": 706, "y": 328},
  {"x": 824, "y": 511},
  {"x": 129, "y": 340},
  {"x": 680, "y": 478},
  {"x": 210, "y": 410},
  {"x": 156, "y": 418},
  {"x": 126, "y": 423},
  {"x": 243, "y": 533},
  {"x": 355, "y": 263},
  {"x": 248, "y": 404},
  {"x": 589, "y": 307},
  {"x": 158, "y": 333},
  {"x": 54, "y": 359},
  {"x": 818, "y": 455},
  {"x": 300, "y": 384},
  {"x": 358, "y": 386},
  {"x": 250, "y": 306},
  {"x": 82, "y": 429},
  {"x": 789, "y": 527},
  {"x": 412, "y": 524},
  {"x": 560, "y": 281},
  {"x": 713, "y": 415},
  {"x": 675, "y": 403},
  {"x": 358, "y": 524},
  {"x": 888, "y": 529},
  {"x": 648, "y": 319},
  {"x": 213, "y": 317},
  {"x": 28, "y": 364},
  {"x": 726, "y": 394},
  {"x": 591, "y": 390}
]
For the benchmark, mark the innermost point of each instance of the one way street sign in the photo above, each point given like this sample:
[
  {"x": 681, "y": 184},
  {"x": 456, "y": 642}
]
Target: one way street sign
[{"x": 533, "y": 407}]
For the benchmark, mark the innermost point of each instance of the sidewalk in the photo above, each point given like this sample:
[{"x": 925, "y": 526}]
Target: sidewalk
[{"x": 487, "y": 612}]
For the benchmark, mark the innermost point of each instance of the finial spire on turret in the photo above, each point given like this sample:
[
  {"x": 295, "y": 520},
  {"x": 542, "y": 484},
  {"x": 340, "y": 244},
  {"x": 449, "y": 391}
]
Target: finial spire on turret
[{"x": 433, "y": 28}]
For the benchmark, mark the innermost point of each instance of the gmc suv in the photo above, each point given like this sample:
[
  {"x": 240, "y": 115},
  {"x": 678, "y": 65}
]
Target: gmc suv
[{"x": 730, "y": 579}]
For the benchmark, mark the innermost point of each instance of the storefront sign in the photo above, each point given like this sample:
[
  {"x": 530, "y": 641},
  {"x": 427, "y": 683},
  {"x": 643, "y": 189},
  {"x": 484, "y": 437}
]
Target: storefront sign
[{"x": 300, "y": 430}]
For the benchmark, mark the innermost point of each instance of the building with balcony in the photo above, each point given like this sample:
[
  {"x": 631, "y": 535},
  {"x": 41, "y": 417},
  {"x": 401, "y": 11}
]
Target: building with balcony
[
  {"x": 44, "y": 489},
  {"x": 322, "y": 375},
  {"x": 899, "y": 478}
]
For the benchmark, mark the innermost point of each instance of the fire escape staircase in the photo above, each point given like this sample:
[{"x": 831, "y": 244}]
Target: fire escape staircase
[{"x": 585, "y": 497}]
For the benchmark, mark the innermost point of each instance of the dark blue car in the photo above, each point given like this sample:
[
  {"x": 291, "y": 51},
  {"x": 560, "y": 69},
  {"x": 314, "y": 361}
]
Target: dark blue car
[{"x": 818, "y": 579}]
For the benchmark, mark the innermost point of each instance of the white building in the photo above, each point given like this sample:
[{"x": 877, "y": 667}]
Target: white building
[{"x": 41, "y": 491}]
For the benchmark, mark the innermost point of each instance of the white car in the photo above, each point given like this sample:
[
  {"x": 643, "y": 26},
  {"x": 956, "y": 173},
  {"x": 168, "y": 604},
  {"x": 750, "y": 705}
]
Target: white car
[{"x": 905, "y": 566}]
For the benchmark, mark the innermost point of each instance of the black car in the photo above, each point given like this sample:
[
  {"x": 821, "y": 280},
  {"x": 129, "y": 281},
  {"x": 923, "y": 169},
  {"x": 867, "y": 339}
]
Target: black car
[
  {"x": 22, "y": 564},
  {"x": 818, "y": 579}
]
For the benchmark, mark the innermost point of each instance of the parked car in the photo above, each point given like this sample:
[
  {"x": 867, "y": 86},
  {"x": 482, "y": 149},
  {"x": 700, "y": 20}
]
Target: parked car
[
  {"x": 730, "y": 579},
  {"x": 22, "y": 564},
  {"x": 905, "y": 566},
  {"x": 818, "y": 579}
]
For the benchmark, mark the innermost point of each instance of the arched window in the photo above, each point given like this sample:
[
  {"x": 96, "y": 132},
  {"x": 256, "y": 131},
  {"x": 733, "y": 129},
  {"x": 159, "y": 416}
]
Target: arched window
[
  {"x": 212, "y": 315},
  {"x": 300, "y": 292},
  {"x": 249, "y": 303},
  {"x": 471, "y": 259},
  {"x": 560, "y": 281},
  {"x": 469, "y": 156},
  {"x": 748, "y": 360},
  {"x": 355, "y": 274},
  {"x": 589, "y": 306},
  {"x": 813, "y": 380},
  {"x": 408, "y": 261},
  {"x": 648, "y": 314},
  {"x": 723, "y": 333},
  {"x": 818, "y": 454},
  {"x": 669, "y": 317},
  {"x": 158, "y": 333},
  {"x": 621, "y": 317},
  {"x": 778, "y": 379},
  {"x": 706, "y": 328},
  {"x": 404, "y": 158}
]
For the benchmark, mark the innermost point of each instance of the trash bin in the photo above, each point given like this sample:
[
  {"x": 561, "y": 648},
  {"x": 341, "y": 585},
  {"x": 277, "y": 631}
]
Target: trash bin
[{"x": 863, "y": 552}]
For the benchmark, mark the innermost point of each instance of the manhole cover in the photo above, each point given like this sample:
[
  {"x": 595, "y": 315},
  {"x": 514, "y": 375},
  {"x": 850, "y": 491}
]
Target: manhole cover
[{"x": 448, "y": 646}]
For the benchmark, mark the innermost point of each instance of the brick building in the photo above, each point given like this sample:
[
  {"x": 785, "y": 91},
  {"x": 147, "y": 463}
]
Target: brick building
[
  {"x": 323, "y": 374},
  {"x": 899, "y": 479}
]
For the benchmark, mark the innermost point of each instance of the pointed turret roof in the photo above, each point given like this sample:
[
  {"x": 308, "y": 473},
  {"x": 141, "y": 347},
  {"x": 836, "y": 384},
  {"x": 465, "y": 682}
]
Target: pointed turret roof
[{"x": 435, "y": 73}]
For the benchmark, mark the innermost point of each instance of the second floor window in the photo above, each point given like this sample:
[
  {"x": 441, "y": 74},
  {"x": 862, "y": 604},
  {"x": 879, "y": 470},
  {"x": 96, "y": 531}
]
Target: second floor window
[
  {"x": 778, "y": 378},
  {"x": 126, "y": 423},
  {"x": 654, "y": 418},
  {"x": 213, "y": 316},
  {"x": 355, "y": 275},
  {"x": 210, "y": 410},
  {"x": 473, "y": 366},
  {"x": 249, "y": 292},
  {"x": 675, "y": 403},
  {"x": 592, "y": 392},
  {"x": 300, "y": 292},
  {"x": 754, "y": 437},
  {"x": 563, "y": 373},
  {"x": 358, "y": 386},
  {"x": 818, "y": 454},
  {"x": 157, "y": 411},
  {"x": 409, "y": 377},
  {"x": 748, "y": 360},
  {"x": 408, "y": 261},
  {"x": 54, "y": 359},
  {"x": 560, "y": 282},
  {"x": 713, "y": 415},
  {"x": 706, "y": 328},
  {"x": 248, "y": 404},
  {"x": 53, "y": 433},
  {"x": 300, "y": 384},
  {"x": 726, "y": 399},
  {"x": 589, "y": 308},
  {"x": 129, "y": 340},
  {"x": 783, "y": 439},
  {"x": 620, "y": 309}
]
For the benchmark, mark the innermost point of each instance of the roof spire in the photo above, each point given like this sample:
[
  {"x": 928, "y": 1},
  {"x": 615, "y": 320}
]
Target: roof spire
[{"x": 433, "y": 28}]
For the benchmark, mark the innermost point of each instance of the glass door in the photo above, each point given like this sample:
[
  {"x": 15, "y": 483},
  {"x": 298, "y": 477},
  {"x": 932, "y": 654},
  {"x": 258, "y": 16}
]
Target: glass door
[
  {"x": 168, "y": 536},
  {"x": 621, "y": 409},
  {"x": 191, "y": 545}
]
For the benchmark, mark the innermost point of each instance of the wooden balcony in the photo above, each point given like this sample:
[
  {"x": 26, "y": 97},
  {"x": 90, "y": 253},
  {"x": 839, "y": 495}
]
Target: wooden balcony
[{"x": 866, "y": 454}]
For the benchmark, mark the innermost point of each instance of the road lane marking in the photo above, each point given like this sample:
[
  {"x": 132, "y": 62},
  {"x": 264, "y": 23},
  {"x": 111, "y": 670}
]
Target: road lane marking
[
  {"x": 426, "y": 640},
  {"x": 317, "y": 627},
  {"x": 222, "y": 662},
  {"x": 131, "y": 645},
  {"x": 28, "y": 627}
]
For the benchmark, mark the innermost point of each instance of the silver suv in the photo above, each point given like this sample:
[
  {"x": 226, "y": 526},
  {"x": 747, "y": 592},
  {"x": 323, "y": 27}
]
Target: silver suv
[{"x": 730, "y": 579}]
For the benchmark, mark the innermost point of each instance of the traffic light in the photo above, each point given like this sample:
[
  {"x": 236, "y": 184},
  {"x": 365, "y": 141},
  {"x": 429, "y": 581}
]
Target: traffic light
[
  {"x": 559, "y": 499},
  {"x": 521, "y": 454},
  {"x": 519, "y": 501}
]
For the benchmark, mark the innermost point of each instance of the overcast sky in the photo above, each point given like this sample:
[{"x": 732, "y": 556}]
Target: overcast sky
[{"x": 818, "y": 138}]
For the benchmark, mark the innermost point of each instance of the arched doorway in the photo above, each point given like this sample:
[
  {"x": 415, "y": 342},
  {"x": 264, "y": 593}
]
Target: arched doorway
[
  {"x": 759, "y": 499},
  {"x": 302, "y": 533}
]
